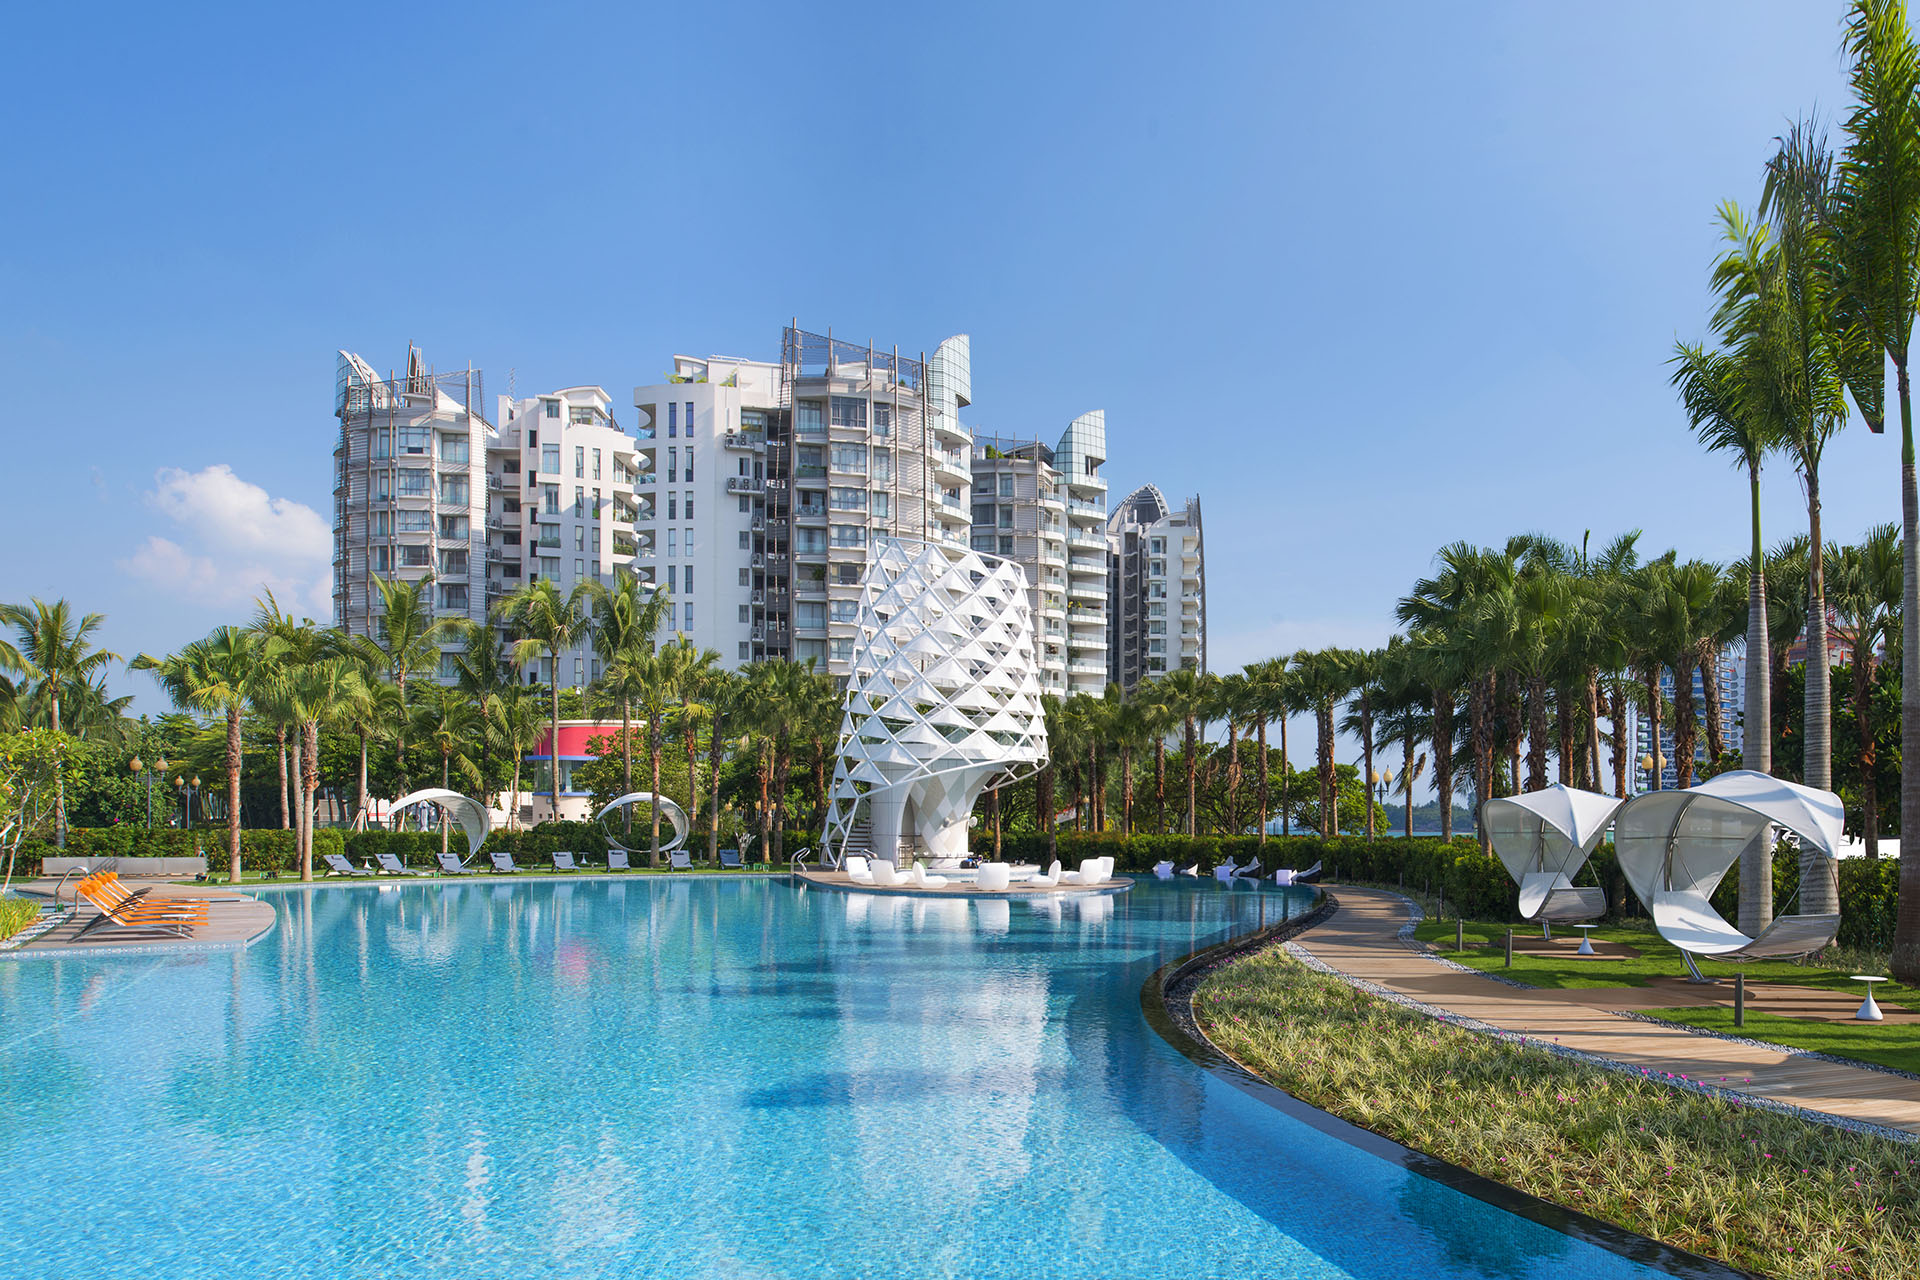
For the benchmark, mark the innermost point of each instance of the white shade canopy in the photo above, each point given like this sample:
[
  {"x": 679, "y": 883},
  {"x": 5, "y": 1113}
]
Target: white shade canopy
[
  {"x": 1685, "y": 841},
  {"x": 468, "y": 812},
  {"x": 1552, "y": 830},
  {"x": 676, "y": 817}
]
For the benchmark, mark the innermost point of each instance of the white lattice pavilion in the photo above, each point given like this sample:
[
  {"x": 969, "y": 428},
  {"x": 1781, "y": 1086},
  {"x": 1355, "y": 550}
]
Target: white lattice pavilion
[{"x": 943, "y": 701}]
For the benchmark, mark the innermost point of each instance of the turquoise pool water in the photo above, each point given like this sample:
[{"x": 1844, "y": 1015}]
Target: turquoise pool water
[{"x": 685, "y": 1077}]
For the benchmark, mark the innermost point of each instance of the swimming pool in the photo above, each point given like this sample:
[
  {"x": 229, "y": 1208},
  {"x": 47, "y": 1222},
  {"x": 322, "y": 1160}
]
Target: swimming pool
[{"x": 689, "y": 1077}]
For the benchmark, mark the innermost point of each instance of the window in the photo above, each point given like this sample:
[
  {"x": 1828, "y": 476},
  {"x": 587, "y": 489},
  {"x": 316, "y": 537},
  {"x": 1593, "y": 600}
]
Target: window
[
  {"x": 1158, "y": 546},
  {"x": 883, "y": 419},
  {"x": 550, "y": 459},
  {"x": 415, "y": 483},
  {"x": 848, "y": 575},
  {"x": 416, "y": 522},
  {"x": 849, "y": 535},
  {"x": 579, "y": 570},
  {"x": 882, "y": 467},
  {"x": 746, "y": 613},
  {"x": 845, "y": 610},
  {"x": 746, "y": 540},
  {"x": 415, "y": 441},
  {"x": 840, "y": 650},
  {"x": 673, "y": 571},
  {"x": 453, "y": 527},
  {"x": 983, "y": 514},
  {"x": 673, "y": 418},
  {"x": 593, "y": 543},
  {"x": 983, "y": 542},
  {"x": 1006, "y": 517},
  {"x": 454, "y": 449},
  {"x": 880, "y": 505},
  {"x": 807, "y": 420},
  {"x": 847, "y": 499},
  {"x": 1006, "y": 546},
  {"x": 382, "y": 443},
  {"x": 1156, "y": 628},
  {"x": 380, "y": 559},
  {"x": 850, "y": 457},
  {"x": 454, "y": 491},
  {"x": 689, "y": 419},
  {"x": 380, "y": 524},
  {"x": 1158, "y": 568},
  {"x": 687, "y": 617},
  {"x": 745, "y": 505},
  {"x": 810, "y": 615},
  {"x": 689, "y": 532},
  {"x": 745, "y": 655},
  {"x": 743, "y": 577},
  {"x": 689, "y": 506},
  {"x": 810, "y": 460},
  {"x": 689, "y": 464},
  {"x": 673, "y": 466},
  {"x": 453, "y": 563},
  {"x": 416, "y": 557},
  {"x": 550, "y": 565},
  {"x": 551, "y": 408},
  {"x": 550, "y": 499},
  {"x": 849, "y": 411},
  {"x": 686, "y": 580},
  {"x": 579, "y": 502},
  {"x": 809, "y": 541},
  {"x": 596, "y": 504},
  {"x": 579, "y": 677},
  {"x": 1006, "y": 484},
  {"x": 673, "y": 506},
  {"x": 579, "y": 537},
  {"x": 672, "y": 537},
  {"x": 579, "y": 462},
  {"x": 596, "y": 464}
]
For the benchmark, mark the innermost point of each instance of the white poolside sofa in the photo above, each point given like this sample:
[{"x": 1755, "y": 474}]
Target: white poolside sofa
[
  {"x": 994, "y": 877},
  {"x": 858, "y": 869},
  {"x": 1045, "y": 879},
  {"x": 924, "y": 881},
  {"x": 884, "y": 874},
  {"x": 1092, "y": 871}
]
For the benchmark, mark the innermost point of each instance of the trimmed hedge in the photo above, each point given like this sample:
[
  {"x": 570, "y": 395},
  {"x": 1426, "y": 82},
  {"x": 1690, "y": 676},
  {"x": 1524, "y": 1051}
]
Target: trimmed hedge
[{"x": 265, "y": 849}]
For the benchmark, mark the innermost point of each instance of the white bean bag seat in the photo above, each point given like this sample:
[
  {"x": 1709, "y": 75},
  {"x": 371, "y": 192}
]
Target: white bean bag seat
[
  {"x": 994, "y": 877},
  {"x": 884, "y": 875},
  {"x": 1163, "y": 870},
  {"x": 858, "y": 869},
  {"x": 1047, "y": 879}
]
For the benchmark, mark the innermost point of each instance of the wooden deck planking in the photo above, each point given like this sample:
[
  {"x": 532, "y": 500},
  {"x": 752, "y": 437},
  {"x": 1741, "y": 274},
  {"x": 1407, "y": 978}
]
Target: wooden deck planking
[{"x": 233, "y": 920}]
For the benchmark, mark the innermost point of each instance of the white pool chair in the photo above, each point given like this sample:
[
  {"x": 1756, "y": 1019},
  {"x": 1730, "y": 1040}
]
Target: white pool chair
[
  {"x": 618, "y": 861},
  {"x": 1089, "y": 873},
  {"x": 1284, "y": 877},
  {"x": 885, "y": 876},
  {"x": 1193, "y": 870},
  {"x": 858, "y": 870},
  {"x": 1227, "y": 871},
  {"x": 994, "y": 877},
  {"x": 925, "y": 881},
  {"x": 450, "y": 865},
  {"x": 1163, "y": 871},
  {"x": 564, "y": 862},
  {"x": 1675, "y": 847},
  {"x": 503, "y": 862},
  {"x": 1045, "y": 879},
  {"x": 680, "y": 861}
]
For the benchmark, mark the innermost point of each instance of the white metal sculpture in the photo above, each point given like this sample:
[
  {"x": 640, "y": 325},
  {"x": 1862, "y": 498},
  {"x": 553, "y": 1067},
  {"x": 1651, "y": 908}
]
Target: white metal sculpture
[
  {"x": 465, "y": 810},
  {"x": 943, "y": 701},
  {"x": 669, "y": 810}
]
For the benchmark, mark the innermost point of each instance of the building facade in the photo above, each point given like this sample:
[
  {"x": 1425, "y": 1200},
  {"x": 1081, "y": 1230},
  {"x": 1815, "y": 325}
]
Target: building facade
[
  {"x": 1157, "y": 584},
  {"x": 1730, "y": 669}
]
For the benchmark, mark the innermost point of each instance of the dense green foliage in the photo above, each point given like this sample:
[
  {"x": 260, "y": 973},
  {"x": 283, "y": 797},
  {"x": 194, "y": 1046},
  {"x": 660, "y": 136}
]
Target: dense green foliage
[{"x": 16, "y": 914}]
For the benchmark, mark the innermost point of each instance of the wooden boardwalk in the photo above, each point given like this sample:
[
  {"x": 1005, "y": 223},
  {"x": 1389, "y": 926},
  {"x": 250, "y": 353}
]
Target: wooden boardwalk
[
  {"x": 234, "y": 920},
  {"x": 1361, "y": 939}
]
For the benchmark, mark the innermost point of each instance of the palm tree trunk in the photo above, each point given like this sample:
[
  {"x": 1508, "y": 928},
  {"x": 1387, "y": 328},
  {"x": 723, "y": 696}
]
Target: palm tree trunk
[
  {"x": 1819, "y": 883},
  {"x": 1904, "y": 961},
  {"x": 765, "y": 771},
  {"x": 1863, "y": 680},
  {"x": 1366, "y": 752},
  {"x": 1708, "y": 663},
  {"x": 360, "y": 797},
  {"x": 692, "y": 737},
  {"x": 1685, "y": 726},
  {"x": 1263, "y": 779},
  {"x": 1286, "y": 782},
  {"x": 1192, "y": 741},
  {"x": 60, "y": 775},
  {"x": 553, "y": 744},
  {"x": 653, "y": 759},
  {"x": 713, "y": 767},
  {"x": 1593, "y": 730},
  {"x": 1536, "y": 734},
  {"x": 1160, "y": 779},
  {"x": 1756, "y": 738},
  {"x": 280, "y": 744},
  {"x": 1043, "y": 797},
  {"x": 1653, "y": 726},
  {"x": 1406, "y": 782},
  {"x": 233, "y": 794},
  {"x": 1126, "y": 788},
  {"x": 310, "y": 783},
  {"x": 1442, "y": 761}
]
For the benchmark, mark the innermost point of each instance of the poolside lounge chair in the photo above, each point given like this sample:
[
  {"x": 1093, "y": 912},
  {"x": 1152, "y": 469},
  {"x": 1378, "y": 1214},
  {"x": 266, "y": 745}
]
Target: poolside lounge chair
[
  {"x": 450, "y": 865},
  {"x": 1227, "y": 871},
  {"x": 885, "y": 876},
  {"x": 1092, "y": 871},
  {"x": 857, "y": 869},
  {"x": 106, "y": 884},
  {"x": 1193, "y": 870},
  {"x": 160, "y": 916},
  {"x": 994, "y": 877},
  {"x": 1284, "y": 877},
  {"x": 730, "y": 860},
  {"x": 503, "y": 862},
  {"x": 563, "y": 861},
  {"x": 338, "y": 864},
  {"x": 617, "y": 861},
  {"x": 1163, "y": 871},
  {"x": 1675, "y": 846},
  {"x": 680, "y": 860},
  {"x": 1045, "y": 879},
  {"x": 392, "y": 866},
  {"x": 925, "y": 881}
]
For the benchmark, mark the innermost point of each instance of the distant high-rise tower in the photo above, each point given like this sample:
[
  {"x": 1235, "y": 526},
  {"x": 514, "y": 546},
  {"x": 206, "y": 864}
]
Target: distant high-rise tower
[{"x": 1158, "y": 587}]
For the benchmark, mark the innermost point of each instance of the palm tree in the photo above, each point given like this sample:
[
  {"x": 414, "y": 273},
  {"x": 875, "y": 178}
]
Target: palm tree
[
  {"x": 56, "y": 654},
  {"x": 513, "y": 723},
  {"x": 483, "y": 675},
  {"x": 1268, "y": 695},
  {"x": 1185, "y": 693},
  {"x": 1875, "y": 226},
  {"x": 723, "y": 699},
  {"x": 626, "y": 618},
  {"x": 1866, "y": 594},
  {"x": 1324, "y": 680},
  {"x": 697, "y": 672},
  {"x": 545, "y": 622},
  {"x": 407, "y": 640},
  {"x": 217, "y": 675},
  {"x": 1047, "y": 811},
  {"x": 1363, "y": 694},
  {"x": 1730, "y": 413},
  {"x": 317, "y": 691}
]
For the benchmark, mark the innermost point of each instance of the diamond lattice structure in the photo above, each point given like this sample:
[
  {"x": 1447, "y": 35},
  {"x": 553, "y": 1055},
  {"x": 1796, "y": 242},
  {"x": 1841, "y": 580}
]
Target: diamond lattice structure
[{"x": 944, "y": 699}]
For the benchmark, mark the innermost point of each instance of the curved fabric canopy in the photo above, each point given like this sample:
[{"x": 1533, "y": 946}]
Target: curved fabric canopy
[
  {"x": 1685, "y": 841},
  {"x": 669, "y": 810},
  {"x": 465, "y": 810},
  {"x": 1553, "y": 830}
]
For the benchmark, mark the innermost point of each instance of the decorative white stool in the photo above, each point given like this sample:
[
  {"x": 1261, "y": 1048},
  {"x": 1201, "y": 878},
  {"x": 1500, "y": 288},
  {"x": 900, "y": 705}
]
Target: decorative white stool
[
  {"x": 1586, "y": 941},
  {"x": 1869, "y": 1011}
]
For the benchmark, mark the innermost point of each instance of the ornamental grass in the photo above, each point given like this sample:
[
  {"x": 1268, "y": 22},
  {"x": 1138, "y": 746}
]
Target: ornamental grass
[{"x": 1763, "y": 1191}]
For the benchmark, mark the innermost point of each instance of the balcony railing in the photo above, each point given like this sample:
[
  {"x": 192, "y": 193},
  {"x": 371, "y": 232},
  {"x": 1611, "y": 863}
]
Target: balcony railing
[{"x": 743, "y": 484}]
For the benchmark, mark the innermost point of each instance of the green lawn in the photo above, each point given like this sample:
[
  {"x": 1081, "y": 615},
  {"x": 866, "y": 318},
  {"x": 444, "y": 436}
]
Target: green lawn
[
  {"x": 1763, "y": 1191},
  {"x": 1883, "y": 1043}
]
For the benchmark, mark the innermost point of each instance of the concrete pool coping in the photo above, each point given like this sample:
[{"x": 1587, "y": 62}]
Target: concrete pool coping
[{"x": 1165, "y": 1002}]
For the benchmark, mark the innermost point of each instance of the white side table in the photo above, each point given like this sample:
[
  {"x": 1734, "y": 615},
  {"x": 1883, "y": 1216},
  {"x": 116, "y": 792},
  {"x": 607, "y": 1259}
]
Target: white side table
[
  {"x": 1586, "y": 941},
  {"x": 1869, "y": 1011}
]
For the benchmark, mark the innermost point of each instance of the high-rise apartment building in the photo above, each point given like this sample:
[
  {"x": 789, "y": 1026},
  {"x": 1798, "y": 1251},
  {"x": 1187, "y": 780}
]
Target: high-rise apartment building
[
  {"x": 782, "y": 474},
  {"x": 1044, "y": 509},
  {"x": 410, "y": 489},
  {"x": 1730, "y": 672},
  {"x": 563, "y": 482},
  {"x": 1158, "y": 587}
]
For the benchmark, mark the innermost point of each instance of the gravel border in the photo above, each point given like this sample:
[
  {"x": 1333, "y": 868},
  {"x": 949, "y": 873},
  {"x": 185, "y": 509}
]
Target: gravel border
[{"x": 1297, "y": 952}]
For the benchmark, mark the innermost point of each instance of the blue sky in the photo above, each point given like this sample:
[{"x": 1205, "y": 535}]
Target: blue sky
[{"x": 1367, "y": 278}]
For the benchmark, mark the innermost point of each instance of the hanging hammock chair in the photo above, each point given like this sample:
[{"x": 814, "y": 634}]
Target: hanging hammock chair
[
  {"x": 1543, "y": 838},
  {"x": 465, "y": 810},
  {"x": 1675, "y": 847}
]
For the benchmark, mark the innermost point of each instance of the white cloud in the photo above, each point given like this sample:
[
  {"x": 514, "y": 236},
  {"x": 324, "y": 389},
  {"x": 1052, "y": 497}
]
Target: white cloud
[{"x": 235, "y": 541}]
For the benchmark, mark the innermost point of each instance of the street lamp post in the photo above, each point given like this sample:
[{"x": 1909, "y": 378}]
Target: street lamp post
[
  {"x": 1382, "y": 784},
  {"x": 187, "y": 787},
  {"x": 1655, "y": 765},
  {"x": 137, "y": 767}
]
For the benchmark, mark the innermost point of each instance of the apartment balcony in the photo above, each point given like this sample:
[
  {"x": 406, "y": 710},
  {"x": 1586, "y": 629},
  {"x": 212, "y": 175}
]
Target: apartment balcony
[
  {"x": 1078, "y": 507},
  {"x": 642, "y": 480},
  {"x": 1087, "y": 591},
  {"x": 952, "y": 465},
  {"x": 1087, "y": 538},
  {"x": 810, "y": 513},
  {"x": 744, "y": 442},
  {"x": 758, "y": 524},
  {"x": 1086, "y": 564},
  {"x": 1087, "y": 668},
  {"x": 744, "y": 484}
]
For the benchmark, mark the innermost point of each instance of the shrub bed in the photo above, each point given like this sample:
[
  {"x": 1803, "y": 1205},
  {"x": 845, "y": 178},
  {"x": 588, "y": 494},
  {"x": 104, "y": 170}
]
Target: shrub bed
[
  {"x": 16, "y": 914},
  {"x": 268, "y": 849}
]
